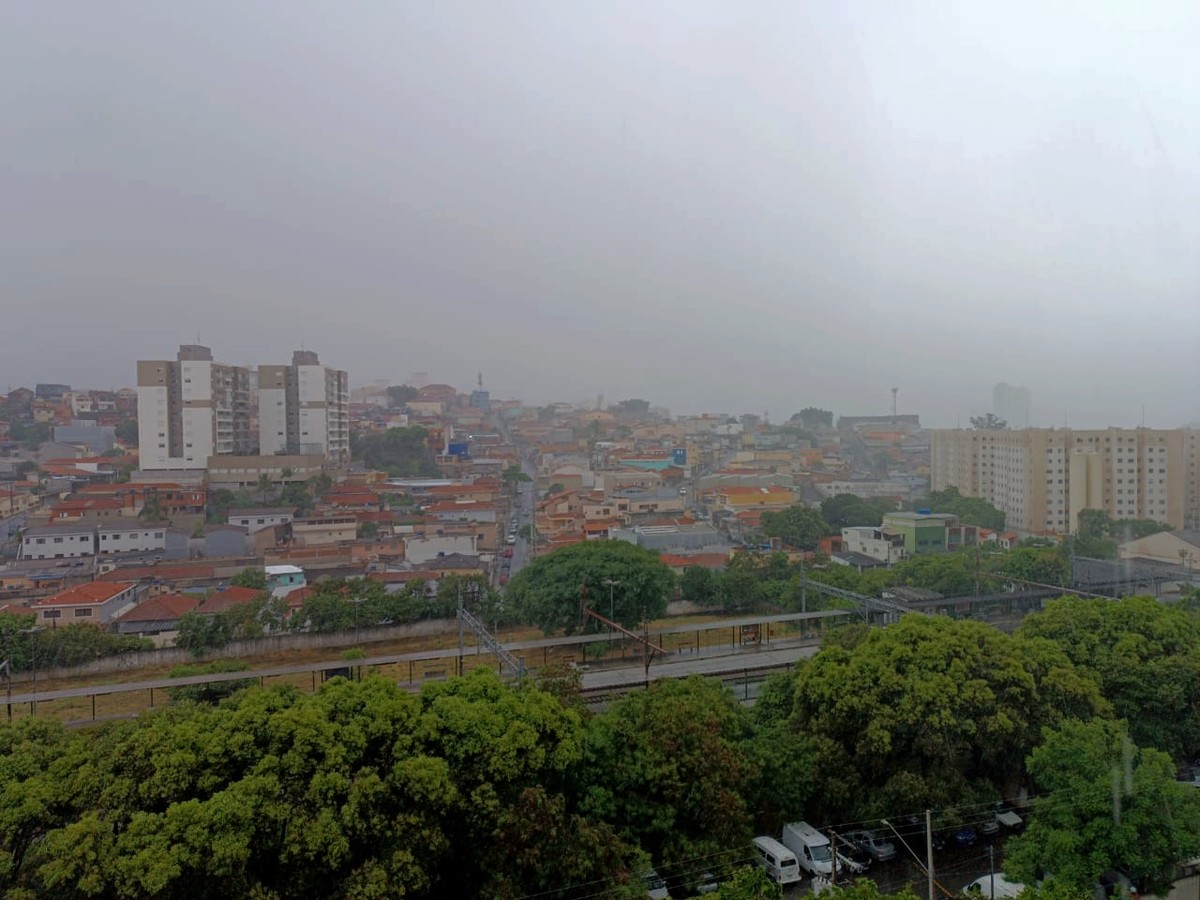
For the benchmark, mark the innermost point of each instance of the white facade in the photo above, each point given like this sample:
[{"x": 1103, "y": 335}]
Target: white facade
[
  {"x": 59, "y": 542},
  {"x": 304, "y": 409},
  {"x": 874, "y": 543},
  {"x": 138, "y": 538},
  {"x": 254, "y": 520},
  {"x": 191, "y": 409}
]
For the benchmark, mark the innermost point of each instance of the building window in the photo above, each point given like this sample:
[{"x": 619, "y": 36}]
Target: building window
[
  {"x": 83, "y": 613},
  {"x": 51, "y": 613},
  {"x": 58, "y": 540}
]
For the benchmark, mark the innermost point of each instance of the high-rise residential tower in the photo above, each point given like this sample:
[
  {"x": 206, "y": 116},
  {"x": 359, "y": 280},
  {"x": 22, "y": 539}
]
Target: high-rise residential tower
[
  {"x": 304, "y": 408},
  {"x": 191, "y": 408}
]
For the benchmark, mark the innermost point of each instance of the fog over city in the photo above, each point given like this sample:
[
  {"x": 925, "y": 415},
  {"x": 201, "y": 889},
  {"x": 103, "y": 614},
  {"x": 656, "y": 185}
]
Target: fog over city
[{"x": 714, "y": 206}]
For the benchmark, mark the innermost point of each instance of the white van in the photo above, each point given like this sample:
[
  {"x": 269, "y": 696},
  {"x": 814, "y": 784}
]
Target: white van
[
  {"x": 810, "y": 846},
  {"x": 777, "y": 859},
  {"x": 993, "y": 887}
]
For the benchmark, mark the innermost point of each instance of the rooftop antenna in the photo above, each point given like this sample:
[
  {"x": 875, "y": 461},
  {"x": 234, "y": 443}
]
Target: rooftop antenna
[
  {"x": 895, "y": 391},
  {"x": 479, "y": 379}
]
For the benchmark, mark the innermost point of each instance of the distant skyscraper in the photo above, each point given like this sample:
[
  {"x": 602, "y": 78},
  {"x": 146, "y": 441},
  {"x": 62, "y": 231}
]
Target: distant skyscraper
[
  {"x": 1012, "y": 404},
  {"x": 304, "y": 408},
  {"x": 190, "y": 409}
]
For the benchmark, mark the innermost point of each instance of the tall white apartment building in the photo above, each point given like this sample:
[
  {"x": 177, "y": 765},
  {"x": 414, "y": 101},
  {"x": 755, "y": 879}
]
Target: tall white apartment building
[
  {"x": 1041, "y": 478},
  {"x": 191, "y": 408},
  {"x": 304, "y": 408}
]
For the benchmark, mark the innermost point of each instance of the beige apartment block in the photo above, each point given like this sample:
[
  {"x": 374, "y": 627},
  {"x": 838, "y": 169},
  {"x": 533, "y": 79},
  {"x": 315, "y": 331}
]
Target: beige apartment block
[
  {"x": 1043, "y": 477},
  {"x": 190, "y": 409},
  {"x": 304, "y": 409}
]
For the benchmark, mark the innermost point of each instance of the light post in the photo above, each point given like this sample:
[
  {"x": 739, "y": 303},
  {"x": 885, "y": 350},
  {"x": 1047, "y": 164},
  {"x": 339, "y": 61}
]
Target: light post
[{"x": 612, "y": 583}]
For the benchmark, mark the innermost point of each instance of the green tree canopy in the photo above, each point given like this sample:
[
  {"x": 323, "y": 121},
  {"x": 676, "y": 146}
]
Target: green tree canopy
[
  {"x": 514, "y": 474},
  {"x": 666, "y": 769},
  {"x": 699, "y": 585},
  {"x": 548, "y": 592},
  {"x": 798, "y": 526},
  {"x": 250, "y": 577},
  {"x": 400, "y": 394},
  {"x": 1104, "y": 804},
  {"x": 359, "y": 790},
  {"x": 127, "y": 432},
  {"x": 931, "y": 713},
  {"x": 812, "y": 417},
  {"x": 1145, "y": 656},
  {"x": 847, "y": 510},
  {"x": 970, "y": 510},
  {"x": 401, "y": 452}
]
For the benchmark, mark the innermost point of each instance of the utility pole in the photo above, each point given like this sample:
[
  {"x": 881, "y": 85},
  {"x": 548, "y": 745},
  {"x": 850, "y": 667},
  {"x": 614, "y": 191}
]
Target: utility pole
[
  {"x": 833, "y": 857},
  {"x": 460, "y": 629},
  {"x": 612, "y": 583},
  {"x": 992, "y": 869},
  {"x": 929, "y": 849}
]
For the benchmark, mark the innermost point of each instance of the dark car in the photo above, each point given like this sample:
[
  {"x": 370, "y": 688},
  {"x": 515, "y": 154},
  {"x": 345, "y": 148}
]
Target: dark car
[{"x": 965, "y": 836}]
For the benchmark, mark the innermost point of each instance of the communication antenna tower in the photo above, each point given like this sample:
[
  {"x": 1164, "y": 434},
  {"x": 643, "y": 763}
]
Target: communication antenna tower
[{"x": 895, "y": 391}]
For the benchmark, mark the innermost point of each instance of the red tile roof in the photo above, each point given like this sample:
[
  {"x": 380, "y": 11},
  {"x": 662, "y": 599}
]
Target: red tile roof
[
  {"x": 164, "y": 608},
  {"x": 231, "y": 596},
  {"x": 701, "y": 560},
  {"x": 92, "y": 593}
]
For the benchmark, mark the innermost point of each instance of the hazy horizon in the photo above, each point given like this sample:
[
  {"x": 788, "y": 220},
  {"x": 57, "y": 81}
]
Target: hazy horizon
[{"x": 711, "y": 206}]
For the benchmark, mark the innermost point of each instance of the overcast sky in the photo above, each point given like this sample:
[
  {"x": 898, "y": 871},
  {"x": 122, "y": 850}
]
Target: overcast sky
[{"x": 715, "y": 206}]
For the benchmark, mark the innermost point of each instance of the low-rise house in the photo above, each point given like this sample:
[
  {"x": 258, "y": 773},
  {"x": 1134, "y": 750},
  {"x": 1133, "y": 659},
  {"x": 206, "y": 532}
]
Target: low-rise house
[
  {"x": 96, "y": 602},
  {"x": 282, "y": 580},
  {"x": 157, "y": 615},
  {"x": 463, "y": 511},
  {"x": 131, "y": 536},
  {"x": 420, "y": 549},
  {"x": 235, "y": 595},
  {"x": 322, "y": 529},
  {"x": 256, "y": 518},
  {"x": 928, "y": 532},
  {"x": 87, "y": 509},
  {"x": 883, "y": 545},
  {"x": 59, "y": 542}
]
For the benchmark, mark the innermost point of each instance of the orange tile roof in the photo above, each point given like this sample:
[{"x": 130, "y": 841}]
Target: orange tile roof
[{"x": 93, "y": 593}]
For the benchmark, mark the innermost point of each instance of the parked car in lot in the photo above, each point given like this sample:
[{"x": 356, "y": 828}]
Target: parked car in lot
[
  {"x": 656, "y": 888},
  {"x": 878, "y": 847},
  {"x": 508, "y": 552},
  {"x": 965, "y": 836}
]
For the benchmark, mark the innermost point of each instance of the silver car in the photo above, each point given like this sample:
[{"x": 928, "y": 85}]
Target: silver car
[{"x": 878, "y": 847}]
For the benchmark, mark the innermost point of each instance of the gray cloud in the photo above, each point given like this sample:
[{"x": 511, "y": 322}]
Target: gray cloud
[{"x": 712, "y": 205}]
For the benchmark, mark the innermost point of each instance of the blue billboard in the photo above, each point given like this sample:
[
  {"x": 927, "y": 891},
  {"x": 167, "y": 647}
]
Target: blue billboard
[{"x": 679, "y": 457}]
